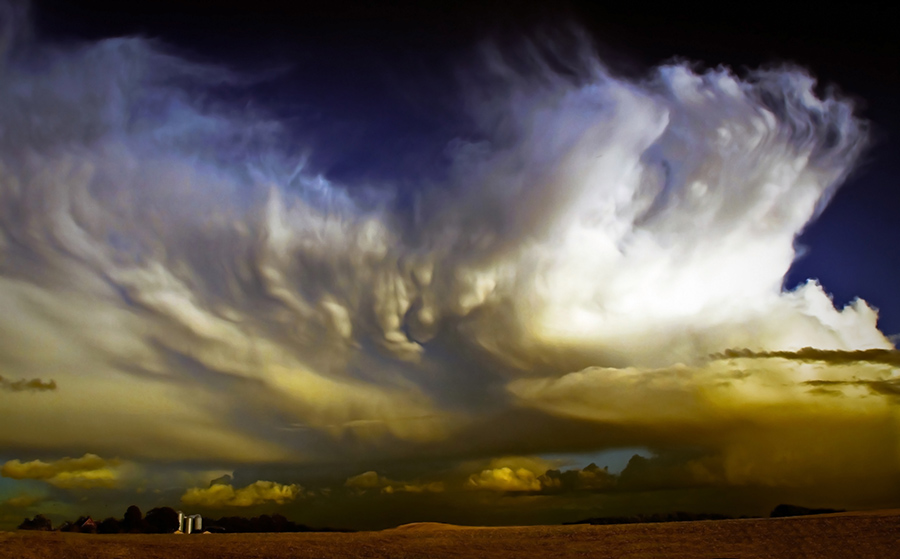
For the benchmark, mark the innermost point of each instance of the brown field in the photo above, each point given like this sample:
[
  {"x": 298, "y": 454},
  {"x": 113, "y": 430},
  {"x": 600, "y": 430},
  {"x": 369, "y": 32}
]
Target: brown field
[{"x": 871, "y": 534}]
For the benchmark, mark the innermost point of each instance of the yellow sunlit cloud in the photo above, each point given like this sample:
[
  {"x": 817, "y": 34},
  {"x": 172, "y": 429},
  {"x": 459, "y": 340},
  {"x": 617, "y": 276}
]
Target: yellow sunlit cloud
[
  {"x": 87, "y": 472},
  {"x": 257, "y": 493}
]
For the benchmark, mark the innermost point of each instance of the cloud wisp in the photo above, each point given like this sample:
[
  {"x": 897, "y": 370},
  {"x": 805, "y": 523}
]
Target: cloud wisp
[
  {"x": 889, "y": 357},
  {"x": 22, "y": 385}
]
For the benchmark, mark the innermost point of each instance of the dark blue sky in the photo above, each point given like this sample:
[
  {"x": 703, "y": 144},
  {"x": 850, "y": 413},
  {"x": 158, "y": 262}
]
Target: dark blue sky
[{"x": 370, "y": 87}]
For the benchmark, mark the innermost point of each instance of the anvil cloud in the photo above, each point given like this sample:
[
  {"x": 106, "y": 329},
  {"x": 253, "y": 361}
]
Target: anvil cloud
[{"x": 600, "y": 266}]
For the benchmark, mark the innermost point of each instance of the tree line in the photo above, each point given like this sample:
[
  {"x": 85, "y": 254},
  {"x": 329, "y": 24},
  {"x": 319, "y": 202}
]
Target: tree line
[
  {"x": 780, "y": 511},
  {"x": 164, "y": 520}
]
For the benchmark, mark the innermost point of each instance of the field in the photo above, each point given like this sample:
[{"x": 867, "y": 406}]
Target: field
[{"x": 859, "y": 535}]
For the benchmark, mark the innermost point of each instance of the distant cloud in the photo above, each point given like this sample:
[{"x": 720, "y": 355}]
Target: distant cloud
[
  {"x": 589, "y": 478},
  {"x": 401, "y": 487},
  {"x": 671, "y": 470},
  {"x": 514, "y": 474},
  {"x": 22, "y": 501},
  {"x": 886, "y": 387},
  {"x": 219, "y": 495},
  {"x": 505, "y": 479},
  {"x": 33, "y": 385},
  {"x": 667, "y": 471},
  {"x": 366, "y": 480},
  {"x": 224, "y": 479},
  {"x": 768, "y": 421},
  {"x": 834, "y": 356},
  {"x": 89, "y": 471},
  {"x": 371, "y": 480}
]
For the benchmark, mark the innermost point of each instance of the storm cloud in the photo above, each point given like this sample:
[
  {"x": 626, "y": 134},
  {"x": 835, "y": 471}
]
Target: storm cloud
[{"x": 591, "y": 243}]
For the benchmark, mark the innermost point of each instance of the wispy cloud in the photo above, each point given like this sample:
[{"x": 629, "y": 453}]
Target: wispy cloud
[
  {"x": 808, "y": 354},
  {"x": 22, "y": 385}
]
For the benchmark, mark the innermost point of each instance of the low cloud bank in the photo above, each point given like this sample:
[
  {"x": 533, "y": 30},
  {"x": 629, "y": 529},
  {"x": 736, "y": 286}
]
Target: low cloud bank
[
  {"x": 371, "y": 480},
  {"x": 89, "y": 471},
  {"x": 219, "y": 495}
]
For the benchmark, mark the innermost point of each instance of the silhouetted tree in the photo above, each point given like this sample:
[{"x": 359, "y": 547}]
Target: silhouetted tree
[
  {"x": 133, "y": 521},
  {"x": 263, "y": 523},
  {"x": 110, "y": 526},
  {"x": 161, "y": 520},
  {"x": 39, "y": 522},
  {"x": 280, "y": 523},
  {"x": 235, "y": 524}
]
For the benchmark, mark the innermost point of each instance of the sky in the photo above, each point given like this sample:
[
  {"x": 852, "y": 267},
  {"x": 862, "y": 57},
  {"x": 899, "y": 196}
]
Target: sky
[{"x": 363, "y": 266}]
